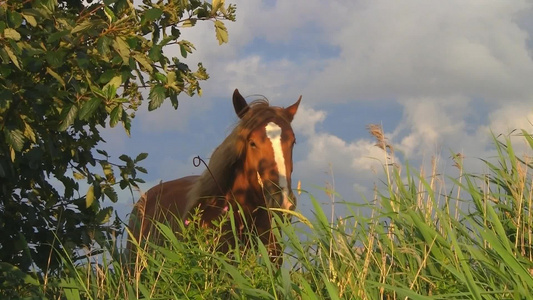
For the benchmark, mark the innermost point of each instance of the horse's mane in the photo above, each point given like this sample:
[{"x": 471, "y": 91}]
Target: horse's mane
[{"x": 217, "y": 180}]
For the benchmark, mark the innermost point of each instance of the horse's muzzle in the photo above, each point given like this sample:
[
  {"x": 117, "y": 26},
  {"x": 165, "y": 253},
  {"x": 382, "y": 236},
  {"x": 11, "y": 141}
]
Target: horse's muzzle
[{"x": 280, "y": 198}]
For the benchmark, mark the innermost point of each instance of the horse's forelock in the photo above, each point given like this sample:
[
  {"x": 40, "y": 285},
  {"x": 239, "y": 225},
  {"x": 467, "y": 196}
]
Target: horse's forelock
[{"x": 217, "y": 180}]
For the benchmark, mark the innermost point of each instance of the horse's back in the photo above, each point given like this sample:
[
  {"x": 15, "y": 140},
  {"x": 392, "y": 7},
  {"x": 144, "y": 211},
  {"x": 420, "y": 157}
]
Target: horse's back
[
  {"x": 170, "y": 195},
  {"x": 166, "y": 202}
]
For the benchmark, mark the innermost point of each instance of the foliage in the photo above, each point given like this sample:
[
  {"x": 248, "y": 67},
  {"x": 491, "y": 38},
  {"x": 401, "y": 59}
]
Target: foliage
[
  {"x": 68, "y": 69},
  {"x": 416, "y": 240}
]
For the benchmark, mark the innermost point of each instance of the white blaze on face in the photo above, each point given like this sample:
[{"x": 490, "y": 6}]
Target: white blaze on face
[{"x": 273, "y": 132}]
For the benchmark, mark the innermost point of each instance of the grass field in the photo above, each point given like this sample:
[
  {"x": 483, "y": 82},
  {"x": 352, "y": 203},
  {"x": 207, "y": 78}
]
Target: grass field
[{"x": 423, "y": 236}]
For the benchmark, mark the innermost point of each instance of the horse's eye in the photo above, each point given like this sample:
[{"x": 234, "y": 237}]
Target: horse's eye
[{"x": 252, "y": 144}]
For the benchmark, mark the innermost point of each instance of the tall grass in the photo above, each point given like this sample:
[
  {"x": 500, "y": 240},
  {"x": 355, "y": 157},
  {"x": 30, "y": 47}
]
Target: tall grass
[{"x": 416, "y": 239}]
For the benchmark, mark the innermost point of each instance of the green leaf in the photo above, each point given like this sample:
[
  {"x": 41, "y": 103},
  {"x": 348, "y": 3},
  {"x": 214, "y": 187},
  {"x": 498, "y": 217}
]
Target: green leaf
[
  {"x": 14, "y": 18},
  {"x": 201, "y": 74},
  {"x": 185, "y": 47},
  {"x": 89, "y": 197},
  {"x": 125, "y": 158},
  {"x": 14, "y": 272},
  {"x": 105, "y": 214},
  {"x": 68, "y": 115},
  {"x": 14, "y": 138},
  {"x": 217, "y": 4},
  {"x": 103, "y": 44},
  {"x": 161, "y": 77},
  {"x": 54, "y": 37},
  {"x": 89, "y": 108},
  {"x": 171, "y": 77},
  {"x": 109, "y": 14},
  {"x": 152, "y": 14},
  {"x": 124, "y": 184},
  {"x": 141, "y": 169},
  {"x": 188, "y": 23},
  {"x": 29, "y": 133},
  {"x": 141, "y": 156},
  {"x": 10, "y": 33},
  {"x": 55, "y": 75},
  {"x": 78, "y": 175},
  {"x": 87, "y": 23},
  {"x": 111, "y": 194},
  {"x": 143, "y": 61},
  {"x": 12, "y": 56},
  {"x": 108, "y": 171},
  {"x": 175, "y": 32},
  {"x": 30, "y": 19},
  {"x": 126, "y": 123},
  {"x": 155, "y": 52},
  {"x": 156, "y": 33},
  {"x": 123, "y": 49},
  {"x": 221, "y": 32},
  {"x": 157, "y": 96},
  {"x": 102, "y": 152},
  {"x": 112, "y": 86},
  {"x": 107, "y": 76},
  {"x": 174, "y": 100},
  {"x": 183, "y": 51},
  {"x": 115, "y": 115},
  {"x": 56, "y": 59}
]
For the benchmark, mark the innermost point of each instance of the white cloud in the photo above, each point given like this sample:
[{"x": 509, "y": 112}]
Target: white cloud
[
  {"x": 327, "y": 157},
  {"x": 166, "y": 118},
  {"x": 252, "y": 73},
  {"x": 391, "y": 49},
  {"x": 307, "y": 119},
  {"x": 428, "y": 122},
  {"x": 386, "y": 50},
  {"x": 450, "y": 65},
  {"x": 344, "y": 157},
  {"x": 511, "y": 116},
  {"x": 509, "y": 119}
]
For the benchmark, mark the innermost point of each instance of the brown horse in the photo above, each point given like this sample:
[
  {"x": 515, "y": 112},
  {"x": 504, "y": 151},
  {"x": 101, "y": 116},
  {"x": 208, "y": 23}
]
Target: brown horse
[{"x": 252, "y": 168}]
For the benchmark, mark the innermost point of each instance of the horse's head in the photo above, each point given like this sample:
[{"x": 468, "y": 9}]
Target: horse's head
[{"x": 267, "y": 142}]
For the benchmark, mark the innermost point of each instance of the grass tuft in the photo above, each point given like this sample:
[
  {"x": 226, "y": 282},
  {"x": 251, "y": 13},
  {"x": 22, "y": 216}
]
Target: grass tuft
[{"x": 415, "y": 240}]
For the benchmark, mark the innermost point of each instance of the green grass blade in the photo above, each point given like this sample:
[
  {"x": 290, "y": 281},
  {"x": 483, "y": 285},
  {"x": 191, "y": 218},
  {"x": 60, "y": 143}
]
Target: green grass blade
[
  {"x": 507, "y": 256},
  {"x": 465, "y": 267},
  {"x": 307, "y": 291},
  {"x": 333, "y": 293}
]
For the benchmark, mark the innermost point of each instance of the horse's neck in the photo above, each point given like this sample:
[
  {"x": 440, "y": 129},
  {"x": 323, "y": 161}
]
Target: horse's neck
[
  {"x": 242, "y": 191},
  {"x": 247, "y": 195}
]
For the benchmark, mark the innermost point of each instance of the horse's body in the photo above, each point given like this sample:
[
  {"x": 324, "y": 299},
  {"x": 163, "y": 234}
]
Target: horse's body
[{"x": 251, "y": 168}]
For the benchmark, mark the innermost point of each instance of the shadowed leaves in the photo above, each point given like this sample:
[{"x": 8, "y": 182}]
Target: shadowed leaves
[{"x": 69, "y": 68}]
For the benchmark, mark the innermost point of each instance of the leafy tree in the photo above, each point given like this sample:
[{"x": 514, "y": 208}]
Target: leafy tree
[{"x": 68, "y": 69}]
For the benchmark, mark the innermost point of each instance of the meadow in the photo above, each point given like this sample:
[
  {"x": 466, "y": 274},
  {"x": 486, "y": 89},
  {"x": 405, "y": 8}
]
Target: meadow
[{"x": 424, "y": 235}]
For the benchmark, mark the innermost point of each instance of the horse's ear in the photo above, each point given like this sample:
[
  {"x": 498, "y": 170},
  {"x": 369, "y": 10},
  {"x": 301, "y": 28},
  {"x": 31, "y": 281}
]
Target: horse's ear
[
  {"x": 239, "y": 104},
  {"x": 291, "y": 110}
]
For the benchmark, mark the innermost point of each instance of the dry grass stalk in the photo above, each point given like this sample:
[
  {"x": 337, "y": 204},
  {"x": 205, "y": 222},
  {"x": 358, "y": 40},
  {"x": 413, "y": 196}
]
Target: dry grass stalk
[{"x": 377, "y": 131}]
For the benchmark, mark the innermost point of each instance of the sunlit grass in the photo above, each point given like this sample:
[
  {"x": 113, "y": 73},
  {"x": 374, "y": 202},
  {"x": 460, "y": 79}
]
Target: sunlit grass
[{"x": 417, "y": 239}]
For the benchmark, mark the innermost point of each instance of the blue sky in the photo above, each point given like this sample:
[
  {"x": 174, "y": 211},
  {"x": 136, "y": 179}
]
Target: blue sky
[{"x": 438, "y": 75}]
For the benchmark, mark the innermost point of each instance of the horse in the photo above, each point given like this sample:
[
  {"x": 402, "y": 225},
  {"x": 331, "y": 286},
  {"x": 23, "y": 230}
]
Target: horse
[{"x": 249, "y": 171}]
